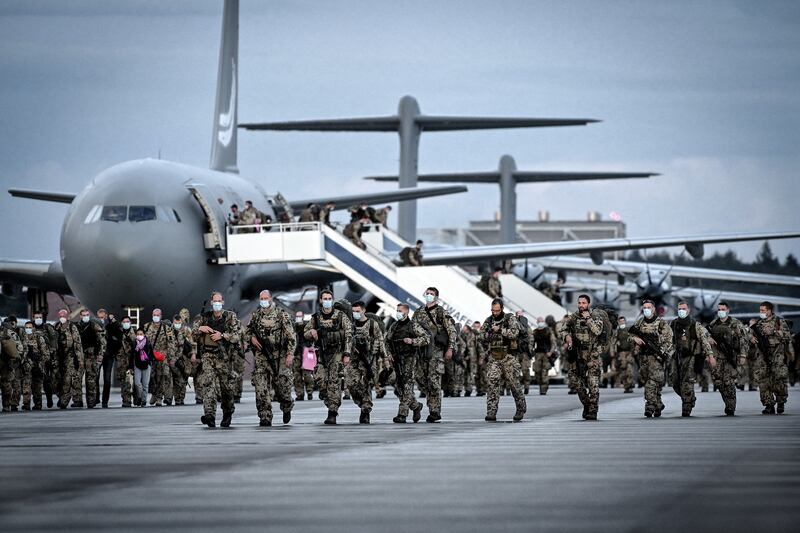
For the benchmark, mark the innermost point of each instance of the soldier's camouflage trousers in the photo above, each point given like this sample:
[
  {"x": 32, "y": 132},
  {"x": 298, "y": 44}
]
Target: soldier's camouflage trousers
[
  {"x": 525, "y": 369},
  {"x": 217, "y": 371},
  {"x": 197, "y": 378},
  {"x": 625, "y": 369},
  {"x": 121, "y": 363},
  {"x": 70, "y": 383},
  {"x": 91, "y": 368},
  {"x": 264, "y": 380},
  {"x": 566, "y": 368},
  {"x": 501, "y": 371},
  {"x": 771, "y": 380},
  {"x": 303, "y": 379},
  {"x": 359, "y": 384},
  {"x": 652, "y": 374},
  {"x": 469, "y": 373},
  {"x": 23, "y": 369},
  {"x": 430, "y": 377},
  {"x": 586, "y": 377},
  {"x": 541, "y": 367},
  {"x": 8, "y": 370},
  {"x": 238, "y": 367},
  {"x": 330, "y": 387},
  {"x": 747, "y": 374},
  {"x": 406, "y": 396},
  {"x": 33, "y": 383},
  {"x": 481, "y": 380},
  {"x": 453, "y": 378},
  {"x": 683, "y": 387},
  {"x": 161, "y": 383},
  {"x": 179, "y": 383},
  {"x": 725, "y": 375}
]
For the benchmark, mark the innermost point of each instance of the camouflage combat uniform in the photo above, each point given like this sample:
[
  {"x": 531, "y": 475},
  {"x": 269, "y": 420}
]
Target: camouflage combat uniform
[
  {"x": 453, "y": 377},
  {"x": 624, "y": 361},
  {"x": 303, "y": 379},
  {"x": 122, "y": 363},
  {"x": 771, "y": 367},
  {"x": 503, "y": 364},
  {"x": 70, "y": 361},
  {"x": 12, "y": 349},
  {"x": 470, "y": 359},
  {"x": 584, "y": 372},
  {"x": 38, "y": 358},
  {"x": 691, "y": 341},
  {"x": 430, "y": 363},
  {"x": 543, "y": 342},
  {"x": 404, "y": 361},
  {"x": 273, "y": 329},
  {"x": 652, "y": 362},
  {"x": 335, "y": 339},
  {"x": 181, "y": 365},
  {"x": 22, "y": 372},
  {"x": 51, "y": 379},
  {"x": 162, "y": 338},
  {"x": 217, "y": 368},
  {"x": 731, "y": 340},
  {"x": 93, "y": 341},
  {"x": 365, "y": 360}
]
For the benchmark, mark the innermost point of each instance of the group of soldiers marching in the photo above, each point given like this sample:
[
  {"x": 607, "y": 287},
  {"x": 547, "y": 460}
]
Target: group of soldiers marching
[{"x": 344, "y": 352}]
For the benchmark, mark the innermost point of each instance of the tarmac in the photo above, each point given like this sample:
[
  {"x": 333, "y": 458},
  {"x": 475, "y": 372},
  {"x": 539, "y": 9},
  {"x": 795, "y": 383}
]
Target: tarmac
[{"x": 160, "y": 469}]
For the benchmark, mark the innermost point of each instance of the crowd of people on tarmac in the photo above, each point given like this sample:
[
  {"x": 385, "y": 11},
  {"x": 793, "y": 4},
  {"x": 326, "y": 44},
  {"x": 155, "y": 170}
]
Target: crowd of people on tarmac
[{"x": 344, "y": 352}]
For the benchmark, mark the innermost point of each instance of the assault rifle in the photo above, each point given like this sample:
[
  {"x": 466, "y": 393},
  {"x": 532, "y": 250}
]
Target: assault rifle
[
  {"x": 650, "y": 341},
  {"x": 763, "y": 343}
]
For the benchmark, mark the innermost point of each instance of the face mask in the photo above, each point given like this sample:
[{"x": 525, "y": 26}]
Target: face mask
[
  {"x": 541, "y": 325},
  {"x": 29, "y": 331},
  {"x": 264, "y": 303},
  {"x": 177, "y": 326},
  {"x": 722, "y": 314},
  {"x": 327, "y": 304},
  {"x": 356, "y": 316},
  {"x": 139, "y": 337},
  {"x": 429, "y": 298},
  {"x": 683, "y": 313},
  {"x": 85, "y": 319},
  {"x": 37, "y": 321},
  {"x": 156, "y": 319},
  {"x": 62, "y": 319},
  {"x": 647, "y": 313},
  {"x": 298, "y": 319},
  {"x": 763, "y": 316},
  {"x": 126, "y": 325},
  {"x": 216, "y": 306},
  {"x": 399, "y": 316},
  {"x": 622, "y": 326}
]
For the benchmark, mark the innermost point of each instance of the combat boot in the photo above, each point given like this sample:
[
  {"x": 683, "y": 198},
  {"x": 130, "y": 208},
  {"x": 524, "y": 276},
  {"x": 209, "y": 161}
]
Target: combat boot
[
  {"x": 480, "y": 394},
  {"x": 447, "y": 394},
  {"x": 380, "y": 394},
  {"x": 657, "y": 413},
  {"x": 591, "y": 415},
  {"x": 331, "y": 420},
  {"x": 490, "y": 418},
  {"x": 198, "y": 401},
  {"x": 208, "y": 420},
  {"x": 518, "y": 416},
  {"x": 226, "y": 419},
  {"x": 14, "y": 408},
  {"x": 572, "y": 391},
  {"x": 628, "y": 391},
  {"x": 168, "y": 403},
  {"x": 729, "y": 411},
  {"x": 648, "y": 413},
  {"x": 310, "y": 395},
  {"x": 364, "y": 418},
  {"x": 422, "y": 394},
  {"x": 346, "y": 396},
  {"x": 287, "y": 417},
  {"x": 6, "y": 409},
  {"x": 780, "y": 409},
  {"x": 300, "y": 398},
  {"x": 399, "y": 419},
  {"x": 585, "y": 412},
  {"x": 432, "y": 418},
  {"x": 768, "y": 410},
  {"x": 264, "y": 423},
  {"x": 26, "y": 407},
  {"x": 417, "y": 413},
  {"x": 751, "y": 388},
  {"x": 467, "y": 393},
  {"x": 37, "y": 407},
  {"x": 686, "y": 412}
]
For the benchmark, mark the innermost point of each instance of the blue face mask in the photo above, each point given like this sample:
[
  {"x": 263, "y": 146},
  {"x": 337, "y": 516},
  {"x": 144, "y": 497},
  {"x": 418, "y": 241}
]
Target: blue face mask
[
  {"x": 356, "y": 316},
  {"x": 647, "y": 313},
  {"x": 722, "y": 314},
  {"x": 399, "y": 316},
  {"x": 327, "y": 304},
  {"x": 177, "y": 326},
  {"x": 156, "y": 319},
  {"x": 38, "y": 321},
  {"x": 216, "y": 306},
  {"x": 84, "y": 319},
  {"x": 429, "y": 298},
  {"x": 126, "y": 325},
  {"x": 264, "y": 303},
  {"x": 683, "y": 313}
]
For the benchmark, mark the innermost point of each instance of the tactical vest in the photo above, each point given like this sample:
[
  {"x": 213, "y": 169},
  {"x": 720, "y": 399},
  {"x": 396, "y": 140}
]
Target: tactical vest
[
  {"x": 88, "y": 335},
  {"x": 332, "y": 336},
  {"x": 726, "y": 339},
  {"x": 217, "y": 324},
  {"x": 362, "y": 336},
  {"x": 624, "y": 342},
  {"x": 499, "y": 344},
  {"x": 399, "y": 331},
  {"x": 685, "y": 339},
  {"x": 541, "y": 340}
]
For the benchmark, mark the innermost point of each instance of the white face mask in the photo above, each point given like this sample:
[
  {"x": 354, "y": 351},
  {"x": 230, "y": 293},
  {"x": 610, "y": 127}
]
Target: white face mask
[
  {"x": 683, "y": 313},
  {"x": 647, "y": 312},
  {"x": 722, "y": 314},
  {"x": 85, "y": 319},
  {"x": 139, "y": 337},
  {"x": 38, "y": 321},
  {"x": 126, "y": 325},
  {"x": 62, "y": 319},
  {"x": 429, "y": 298},
  {"x": 177, "y": 325},
  {"x": 327, "y": 304},
  {"x": 216, "y": 306},
  {"x": 541, "y": 325},
  {"x": 298, "y": 319},
  {"x": 399, "y": 315},
  {"x": 264, "y": 303},
  {"x": 763, "y": 316},
  {"x": 29, "y": 331},
  {"x": 622, "y": 326},
  {"x": 356, "y": 316},
  {"x": 156, "y": 319}
]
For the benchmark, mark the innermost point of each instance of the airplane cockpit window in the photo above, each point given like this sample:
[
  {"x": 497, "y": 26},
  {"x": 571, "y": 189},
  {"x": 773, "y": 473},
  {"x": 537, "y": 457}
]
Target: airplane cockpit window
[
  {"x": 94, "y": 214},
  {"x": 141, "y": 213},
  {"x": 114, "y": 213}
]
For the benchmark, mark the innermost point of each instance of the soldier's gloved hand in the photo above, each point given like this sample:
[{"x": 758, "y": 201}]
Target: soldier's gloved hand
[{"x": 448, "y": 354}]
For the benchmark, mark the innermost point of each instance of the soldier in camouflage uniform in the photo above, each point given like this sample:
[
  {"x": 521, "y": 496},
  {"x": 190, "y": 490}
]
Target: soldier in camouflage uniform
[
  {"x": 691, "y": 341},
  {"x": 368, "y": 352},
  {"x": 303, "y": 379},
  {"x": 123, "y": 360},
  {"x": 22, "y": 368},
  {"x": 273, "y": 341},
  {"x": 162, "y": 337},
  {"x": 543, "y": 343},
  {"x": 524, "y": 343},
  {"x": 452, "y": 379},
  {"x": 470, "y": 358},
  {"x": 430, "y": 365},
  {"x": 195, "y": 367},
  {"x": 332, "y": 332},
  {"x": 773, "y": 337},
  {"x": 238, "y": 362},
  {"x": 581, "y": 333},
  {"x": 481, "y": 380},
  {"x": 184, "y": 351},
  {"x": 566, "y": 364},
  {"x": 730, "y": 340},
  {"x": 50, "y": 378},
  {"x": 93, "y": 341},
  {"x": 624, "y": 362},
  {"x": 653, "y": 339},
  {"x": 11, "y": 349},
  {"x": 38, "y": 357},
  {"x": 500, "y": 335},
  {"x": 215, "y": 333},
  {"x": 70, "y": 360},
  {"x": 404, "y": 340}
]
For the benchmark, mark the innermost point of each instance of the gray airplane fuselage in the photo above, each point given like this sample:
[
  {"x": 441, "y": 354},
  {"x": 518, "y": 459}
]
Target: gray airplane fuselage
[{"x": 163, "y": 262}]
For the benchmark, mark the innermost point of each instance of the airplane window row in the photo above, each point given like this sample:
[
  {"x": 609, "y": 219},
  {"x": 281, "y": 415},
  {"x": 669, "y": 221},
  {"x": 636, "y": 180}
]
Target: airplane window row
[{"x": 133, "y": 213}]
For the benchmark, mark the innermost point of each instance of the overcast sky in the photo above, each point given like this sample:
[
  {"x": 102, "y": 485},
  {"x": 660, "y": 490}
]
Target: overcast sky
[{"x": 706, "y": 93}]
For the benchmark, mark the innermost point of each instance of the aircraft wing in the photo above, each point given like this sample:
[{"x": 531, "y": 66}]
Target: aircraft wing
[
  {"x": 582, "y": 264},
  {"x": 520, "y": 176},
  {"x": 388, "y": 123},
  {"x": 45, "y": 196},
  {"x": 501, "y": 252},
  {"x": 445, "y": 123},
  {"x": 745, "y": 297},
  {"x": 45, "y": 275},
  {"x": 345, "y": 202}
]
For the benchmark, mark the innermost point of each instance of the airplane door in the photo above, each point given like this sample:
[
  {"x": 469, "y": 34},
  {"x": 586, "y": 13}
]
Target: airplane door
[{"x": 214, "y": 235}]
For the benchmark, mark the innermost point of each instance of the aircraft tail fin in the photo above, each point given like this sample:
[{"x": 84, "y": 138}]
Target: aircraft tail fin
[{"x": 223, "y": 141}]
